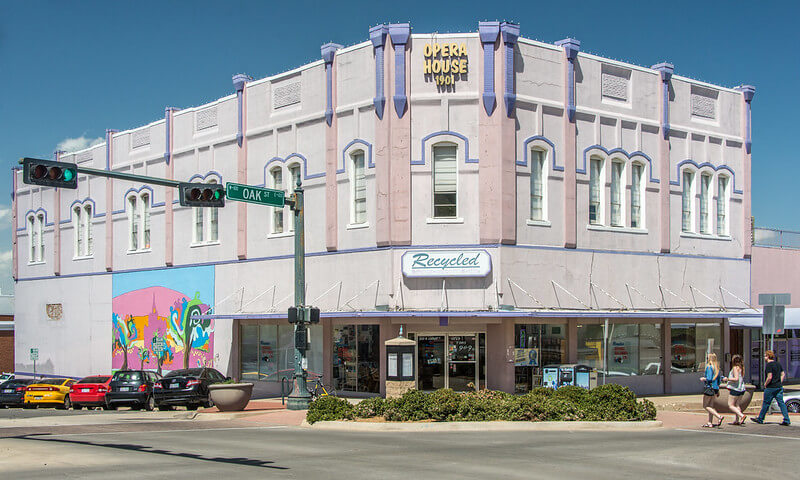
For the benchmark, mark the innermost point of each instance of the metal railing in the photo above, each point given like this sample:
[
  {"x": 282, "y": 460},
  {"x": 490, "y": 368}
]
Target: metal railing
[{"x": 771, "y": 237}]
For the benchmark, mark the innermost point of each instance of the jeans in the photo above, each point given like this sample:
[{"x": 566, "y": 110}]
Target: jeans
[{"x": 777, "y": 395}]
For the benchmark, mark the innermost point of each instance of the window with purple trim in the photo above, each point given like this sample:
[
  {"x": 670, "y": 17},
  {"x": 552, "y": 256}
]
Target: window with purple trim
[
  {"x": 687, "y": 202},
  {"x": 358, "y": 189},
  {"x": 596, "y": 191},
  {"x": 294, "y": 173},
  {"x": 538, "y": 185},
  {"x": 637, "y": 200},
  {"x": 277, "y": 213},
  {"x": 723, "y": 197},
  {"x": 36, "y": 238},
  {"x": 705, "y": 201},
  {"x": 617, "y": 193},
  {"x": 445, "y": 181},
  {"x": 206, "y": 224},
  {"x": 82, "y": 227},
  {"x": 138, "y": 211}
]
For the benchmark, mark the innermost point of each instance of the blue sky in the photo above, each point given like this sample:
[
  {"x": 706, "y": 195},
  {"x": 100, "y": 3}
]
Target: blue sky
[{"x": 70, "y": 70}]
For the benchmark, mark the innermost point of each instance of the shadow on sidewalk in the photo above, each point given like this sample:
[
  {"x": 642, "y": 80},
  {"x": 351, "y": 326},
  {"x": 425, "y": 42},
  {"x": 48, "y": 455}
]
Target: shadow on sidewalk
[{"x": 145, "y": 449}]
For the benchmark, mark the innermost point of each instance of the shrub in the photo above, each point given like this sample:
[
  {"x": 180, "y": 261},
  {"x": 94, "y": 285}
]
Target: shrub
[
  {"x": 646, "y": 410},
  {"x": 329, "y": 408},
  {"x": 410, "y": 407},
  {"x": 612, "y": 402},
  {"x": 444, "y": 404},
  {"x": 571, "y": 393},
  {"x": 370, "y": 407}
]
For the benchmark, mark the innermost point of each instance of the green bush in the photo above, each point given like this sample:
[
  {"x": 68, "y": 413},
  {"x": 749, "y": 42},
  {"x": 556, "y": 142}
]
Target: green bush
[
  {"x": 329, "y": 408},
  {"x": 572, "y": 394},
  {"x": 612, "y": 402},
  {"x": 410, "y": 407},
  {"x": 646, "y": 410},
  {"x": 370, "y": 407},
  {"x": 443, "y": 404}
]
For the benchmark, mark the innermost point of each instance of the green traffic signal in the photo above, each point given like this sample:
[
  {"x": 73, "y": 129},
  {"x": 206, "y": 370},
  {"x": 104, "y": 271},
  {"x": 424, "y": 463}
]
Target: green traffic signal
[{"x": 68, "y": 174}]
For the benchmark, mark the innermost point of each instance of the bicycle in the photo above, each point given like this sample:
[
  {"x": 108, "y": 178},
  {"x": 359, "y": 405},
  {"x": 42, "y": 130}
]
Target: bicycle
[{"x": 318, "y": 389}]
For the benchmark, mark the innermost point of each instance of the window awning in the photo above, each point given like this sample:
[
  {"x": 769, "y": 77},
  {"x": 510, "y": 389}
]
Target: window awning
[{"x": 790, "y": 320}]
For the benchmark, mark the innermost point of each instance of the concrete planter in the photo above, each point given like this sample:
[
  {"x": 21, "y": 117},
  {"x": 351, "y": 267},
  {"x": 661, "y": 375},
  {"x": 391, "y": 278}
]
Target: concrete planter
[
  {"x": 230, "y": 397},
  {"x": 721, "y": 402}
]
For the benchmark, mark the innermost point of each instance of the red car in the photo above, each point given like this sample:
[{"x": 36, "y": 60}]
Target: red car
[{"x": 89, "y": 392}]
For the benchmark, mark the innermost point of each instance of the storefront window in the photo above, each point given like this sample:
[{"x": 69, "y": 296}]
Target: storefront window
[
  {"x": 267, "y": 352},
  {"x": 691, "y": 342},
  {"x": 535, "y": 347},
  {"x": 356, "y": 358},
  {"x": 625, "y": 349}
]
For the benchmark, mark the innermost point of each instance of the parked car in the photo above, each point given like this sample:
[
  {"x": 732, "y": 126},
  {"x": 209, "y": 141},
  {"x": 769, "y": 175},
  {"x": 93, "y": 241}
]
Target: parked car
[
  {"x": 48, "y": 392},
  {"x": 792, "y": 401},
  {"x": 89, "y": 392},
  {"x": 4, "y": 377},
  {"x": 12, "y": 392},
  {"x": 132, "y": 388},
  {"x": 187, "y": 387}
]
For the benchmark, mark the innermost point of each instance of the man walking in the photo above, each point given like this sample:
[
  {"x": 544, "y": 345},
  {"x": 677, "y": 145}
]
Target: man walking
[{"x": 773, "y": 388}]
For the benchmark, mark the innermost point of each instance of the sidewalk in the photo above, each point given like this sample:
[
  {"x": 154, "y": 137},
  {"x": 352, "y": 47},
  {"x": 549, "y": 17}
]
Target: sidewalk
[{"x": 268, "y": 411}]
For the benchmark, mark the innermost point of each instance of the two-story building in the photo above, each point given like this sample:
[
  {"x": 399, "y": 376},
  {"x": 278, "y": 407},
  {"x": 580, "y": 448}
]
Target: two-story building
[{"x": 509, "y": 203}]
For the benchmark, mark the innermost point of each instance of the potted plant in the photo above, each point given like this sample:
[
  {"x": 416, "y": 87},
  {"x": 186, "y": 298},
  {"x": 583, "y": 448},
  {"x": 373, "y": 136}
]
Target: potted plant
[{"x": 230, "y": 396}]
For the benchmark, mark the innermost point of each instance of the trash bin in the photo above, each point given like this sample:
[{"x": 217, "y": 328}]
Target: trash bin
[{"x": 555, "y": 376}]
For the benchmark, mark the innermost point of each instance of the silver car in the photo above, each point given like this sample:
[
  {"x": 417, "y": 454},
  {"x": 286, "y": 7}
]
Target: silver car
[{"x": 792, "y": 401}]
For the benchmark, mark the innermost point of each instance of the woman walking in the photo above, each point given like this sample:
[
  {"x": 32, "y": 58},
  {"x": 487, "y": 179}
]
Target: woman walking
[
  {"x": 711, "y": 391},
  {"x": 736, "y": 389}
]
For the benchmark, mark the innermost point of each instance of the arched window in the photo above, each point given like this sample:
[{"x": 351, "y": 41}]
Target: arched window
[
  {"x": 138, "y": 210},
  {"x": 294, "y": 173},
  {"x": 538, "y": 185},
  {"x": 723, "y": 197},
  {"x": 82, "y": 227},
  {"x": 596, "y": 182},
  {"x": 687, "y": 201},
  {"x": 277, "y": 213},
  {"x": 617, "y": 193},
  {"x": 206, "y": 223},
  {"x": 637, "y": 195},
  {"x": 705, "y": 203},
  {"x": 87, "y": 230},
  {"x": 35, "y": 238},
  {"x": 358, "y": 189},
  {"x": 445, "y": 181}
]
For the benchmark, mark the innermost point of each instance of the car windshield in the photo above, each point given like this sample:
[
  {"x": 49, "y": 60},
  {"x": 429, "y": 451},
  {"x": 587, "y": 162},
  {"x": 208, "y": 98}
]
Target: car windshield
[
  {"x": 186, "y": 372},
  {"x": 98, "y": 379},
  {"x": 127, "y": 377},
  {"x": 52, "y": 381}
]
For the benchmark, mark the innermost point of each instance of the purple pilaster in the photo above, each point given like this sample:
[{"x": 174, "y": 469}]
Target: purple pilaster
[
  {"x": 378, "y": 36},
  {"x": 665, "y": 71},
  {"x": 748, "y": 91},
  {"x": 488, "y": 31},
  {"x": 239, "y": 81},
  {"x": 510, "y": 32},
  {"x": 14, "y": 224},
  {"x": 400, "y": 33},
  {"x": 571, "y": 48},
  {"x": 328, "y": 52}
]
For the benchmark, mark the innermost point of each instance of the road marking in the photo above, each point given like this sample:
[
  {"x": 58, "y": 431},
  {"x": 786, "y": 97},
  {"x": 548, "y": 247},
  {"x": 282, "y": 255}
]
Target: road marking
[
  {"x": 163, "y": 431},
  {"x": 734, "y": 433}
]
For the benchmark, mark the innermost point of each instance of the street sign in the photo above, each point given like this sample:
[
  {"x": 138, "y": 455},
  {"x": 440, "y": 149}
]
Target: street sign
[
  {"x": 774, "y": 298},
  {"x": 773, "y": 319},
  {"x": 34, "y": 354},
  {"x": 252, "y": 194}
]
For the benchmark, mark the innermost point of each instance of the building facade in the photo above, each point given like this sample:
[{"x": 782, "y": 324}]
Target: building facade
[{"x": 509, "y": 203}]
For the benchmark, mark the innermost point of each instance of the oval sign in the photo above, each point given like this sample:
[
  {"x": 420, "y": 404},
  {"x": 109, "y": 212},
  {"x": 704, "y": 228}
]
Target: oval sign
[{"x": 446, "y": 263}]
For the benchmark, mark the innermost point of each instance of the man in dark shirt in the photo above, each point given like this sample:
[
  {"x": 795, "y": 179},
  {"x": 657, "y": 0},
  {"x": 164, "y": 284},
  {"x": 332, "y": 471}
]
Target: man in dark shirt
[{"x": 773, "y": 388}]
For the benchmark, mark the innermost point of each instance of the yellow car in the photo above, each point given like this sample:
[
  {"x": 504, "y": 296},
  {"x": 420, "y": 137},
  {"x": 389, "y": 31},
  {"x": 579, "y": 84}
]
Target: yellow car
[{"x": 51, "y": 392}]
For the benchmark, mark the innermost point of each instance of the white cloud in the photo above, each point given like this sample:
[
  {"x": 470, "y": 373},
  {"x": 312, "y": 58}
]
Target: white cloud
[
  {"x": 79, "y": 143},
  {"x": 5, "y": 213},
  {"x": 5, "y": 259}
]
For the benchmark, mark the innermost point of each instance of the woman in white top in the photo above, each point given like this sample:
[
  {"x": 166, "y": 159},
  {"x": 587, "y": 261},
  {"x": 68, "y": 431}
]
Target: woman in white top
[{"x": 736, "y": 389}]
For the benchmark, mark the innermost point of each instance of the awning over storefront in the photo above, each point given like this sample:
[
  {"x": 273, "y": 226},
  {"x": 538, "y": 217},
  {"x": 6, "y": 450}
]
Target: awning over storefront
[{"x": 791, "y": 319}]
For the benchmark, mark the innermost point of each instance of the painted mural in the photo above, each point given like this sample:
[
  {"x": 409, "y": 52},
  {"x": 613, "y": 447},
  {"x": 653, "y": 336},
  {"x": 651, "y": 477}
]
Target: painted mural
[{"x": 152, "y": 320}]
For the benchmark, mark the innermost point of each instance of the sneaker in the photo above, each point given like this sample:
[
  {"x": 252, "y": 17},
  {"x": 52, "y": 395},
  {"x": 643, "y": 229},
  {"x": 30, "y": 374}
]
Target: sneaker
[
  {"x": 757, "y": 420},
  {"x": 785, "y": 424}
]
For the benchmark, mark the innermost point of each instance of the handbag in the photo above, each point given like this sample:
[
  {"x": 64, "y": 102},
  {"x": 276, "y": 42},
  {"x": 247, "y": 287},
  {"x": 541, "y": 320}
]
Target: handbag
[{"x": 709, "y": 391}]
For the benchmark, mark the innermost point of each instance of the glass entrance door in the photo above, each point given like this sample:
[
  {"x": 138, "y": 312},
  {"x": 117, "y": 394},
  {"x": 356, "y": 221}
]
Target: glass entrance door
[{"x": 450, "y": 361}]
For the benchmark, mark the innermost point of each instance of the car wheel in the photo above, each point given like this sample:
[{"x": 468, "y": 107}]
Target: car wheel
[
  {"x": 192, "y": 407},
  {"x": 77, "y": 406},
  {"x": 793, "y": 407},
  {"x": 66, "y": 405},
  {"x": 28, "y": 406},
  {"x": 109, "y": 407},
  {"x": 208, "y": 404},
  {"x": 150, "y": 404},
  {"x": 165, "y": 408}
]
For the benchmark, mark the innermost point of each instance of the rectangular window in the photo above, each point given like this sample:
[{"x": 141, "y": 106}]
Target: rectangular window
[
  {"x": 722, "y": 205},
  {"x": 537, "y": 185},
  {"x": 133, "y": 224},
  {"x": 595, "y": 172},
  {"x": 622, "y": 350},
  {"x": 277, "y": 213},
  {"x": 40, "y": 238},
  {"x": 87, "y": 215},
  {"x": 359, "y": 189},
  {"x": 146, "y": 221},
  {"x": 32, "y": 238},
  {"x": 687, "y": 202},
  {"x": 636, "y": 195},
  {"x": 535, "y": 346},
  {"x": 444, "y": 182},
  {"x": 617, "y": 184},
  {"x": 690, "y": 344},
  {"x": 356, "y": 358},
  {"x": 705, "y": 191}
]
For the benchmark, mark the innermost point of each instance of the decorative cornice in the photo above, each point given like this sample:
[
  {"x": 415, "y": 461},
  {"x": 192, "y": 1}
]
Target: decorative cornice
[
  {"x": 571, "y": 48},
  {"x": 377, "y": 35},
  {"x": 666, "y": 70},
  {"x": 510, "y": 32}
]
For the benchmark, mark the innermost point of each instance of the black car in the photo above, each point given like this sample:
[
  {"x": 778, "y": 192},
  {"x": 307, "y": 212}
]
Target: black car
[
  {"x": 133, "y": 388},
  {"x": 12, "y": 392},
  {"x": 187, "y": 387}
]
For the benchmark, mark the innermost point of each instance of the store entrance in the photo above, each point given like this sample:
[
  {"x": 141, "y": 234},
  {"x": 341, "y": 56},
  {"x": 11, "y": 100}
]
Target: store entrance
[{"x": 455, "y": 361}]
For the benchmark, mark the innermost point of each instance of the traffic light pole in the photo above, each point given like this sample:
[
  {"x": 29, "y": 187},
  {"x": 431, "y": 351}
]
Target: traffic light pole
[
  {"x": 130, "y": 177},
  {"x": 300, "y": 398}
]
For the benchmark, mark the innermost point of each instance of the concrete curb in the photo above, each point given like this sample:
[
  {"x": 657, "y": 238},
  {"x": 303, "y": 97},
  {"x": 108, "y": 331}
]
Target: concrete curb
[
  {"x": 499, "y": 426},
  {"x": 201, "y": 416}
]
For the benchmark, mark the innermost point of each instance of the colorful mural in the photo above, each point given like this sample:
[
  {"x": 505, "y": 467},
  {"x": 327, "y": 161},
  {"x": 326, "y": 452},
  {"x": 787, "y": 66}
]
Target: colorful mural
[{"x": 152, "y": 319}]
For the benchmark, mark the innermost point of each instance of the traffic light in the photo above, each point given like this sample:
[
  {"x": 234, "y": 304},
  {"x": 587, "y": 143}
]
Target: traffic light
[
  {"x": 293, "y": 315},
  {"x": 314, "y": 315},
  {"x": 49, "y": 173},
  {"x": 202, "y": 194}
]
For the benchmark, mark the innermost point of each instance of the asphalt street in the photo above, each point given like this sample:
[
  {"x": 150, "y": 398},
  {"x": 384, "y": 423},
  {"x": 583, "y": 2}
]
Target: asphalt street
[{"x": 214, "y": 450}]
